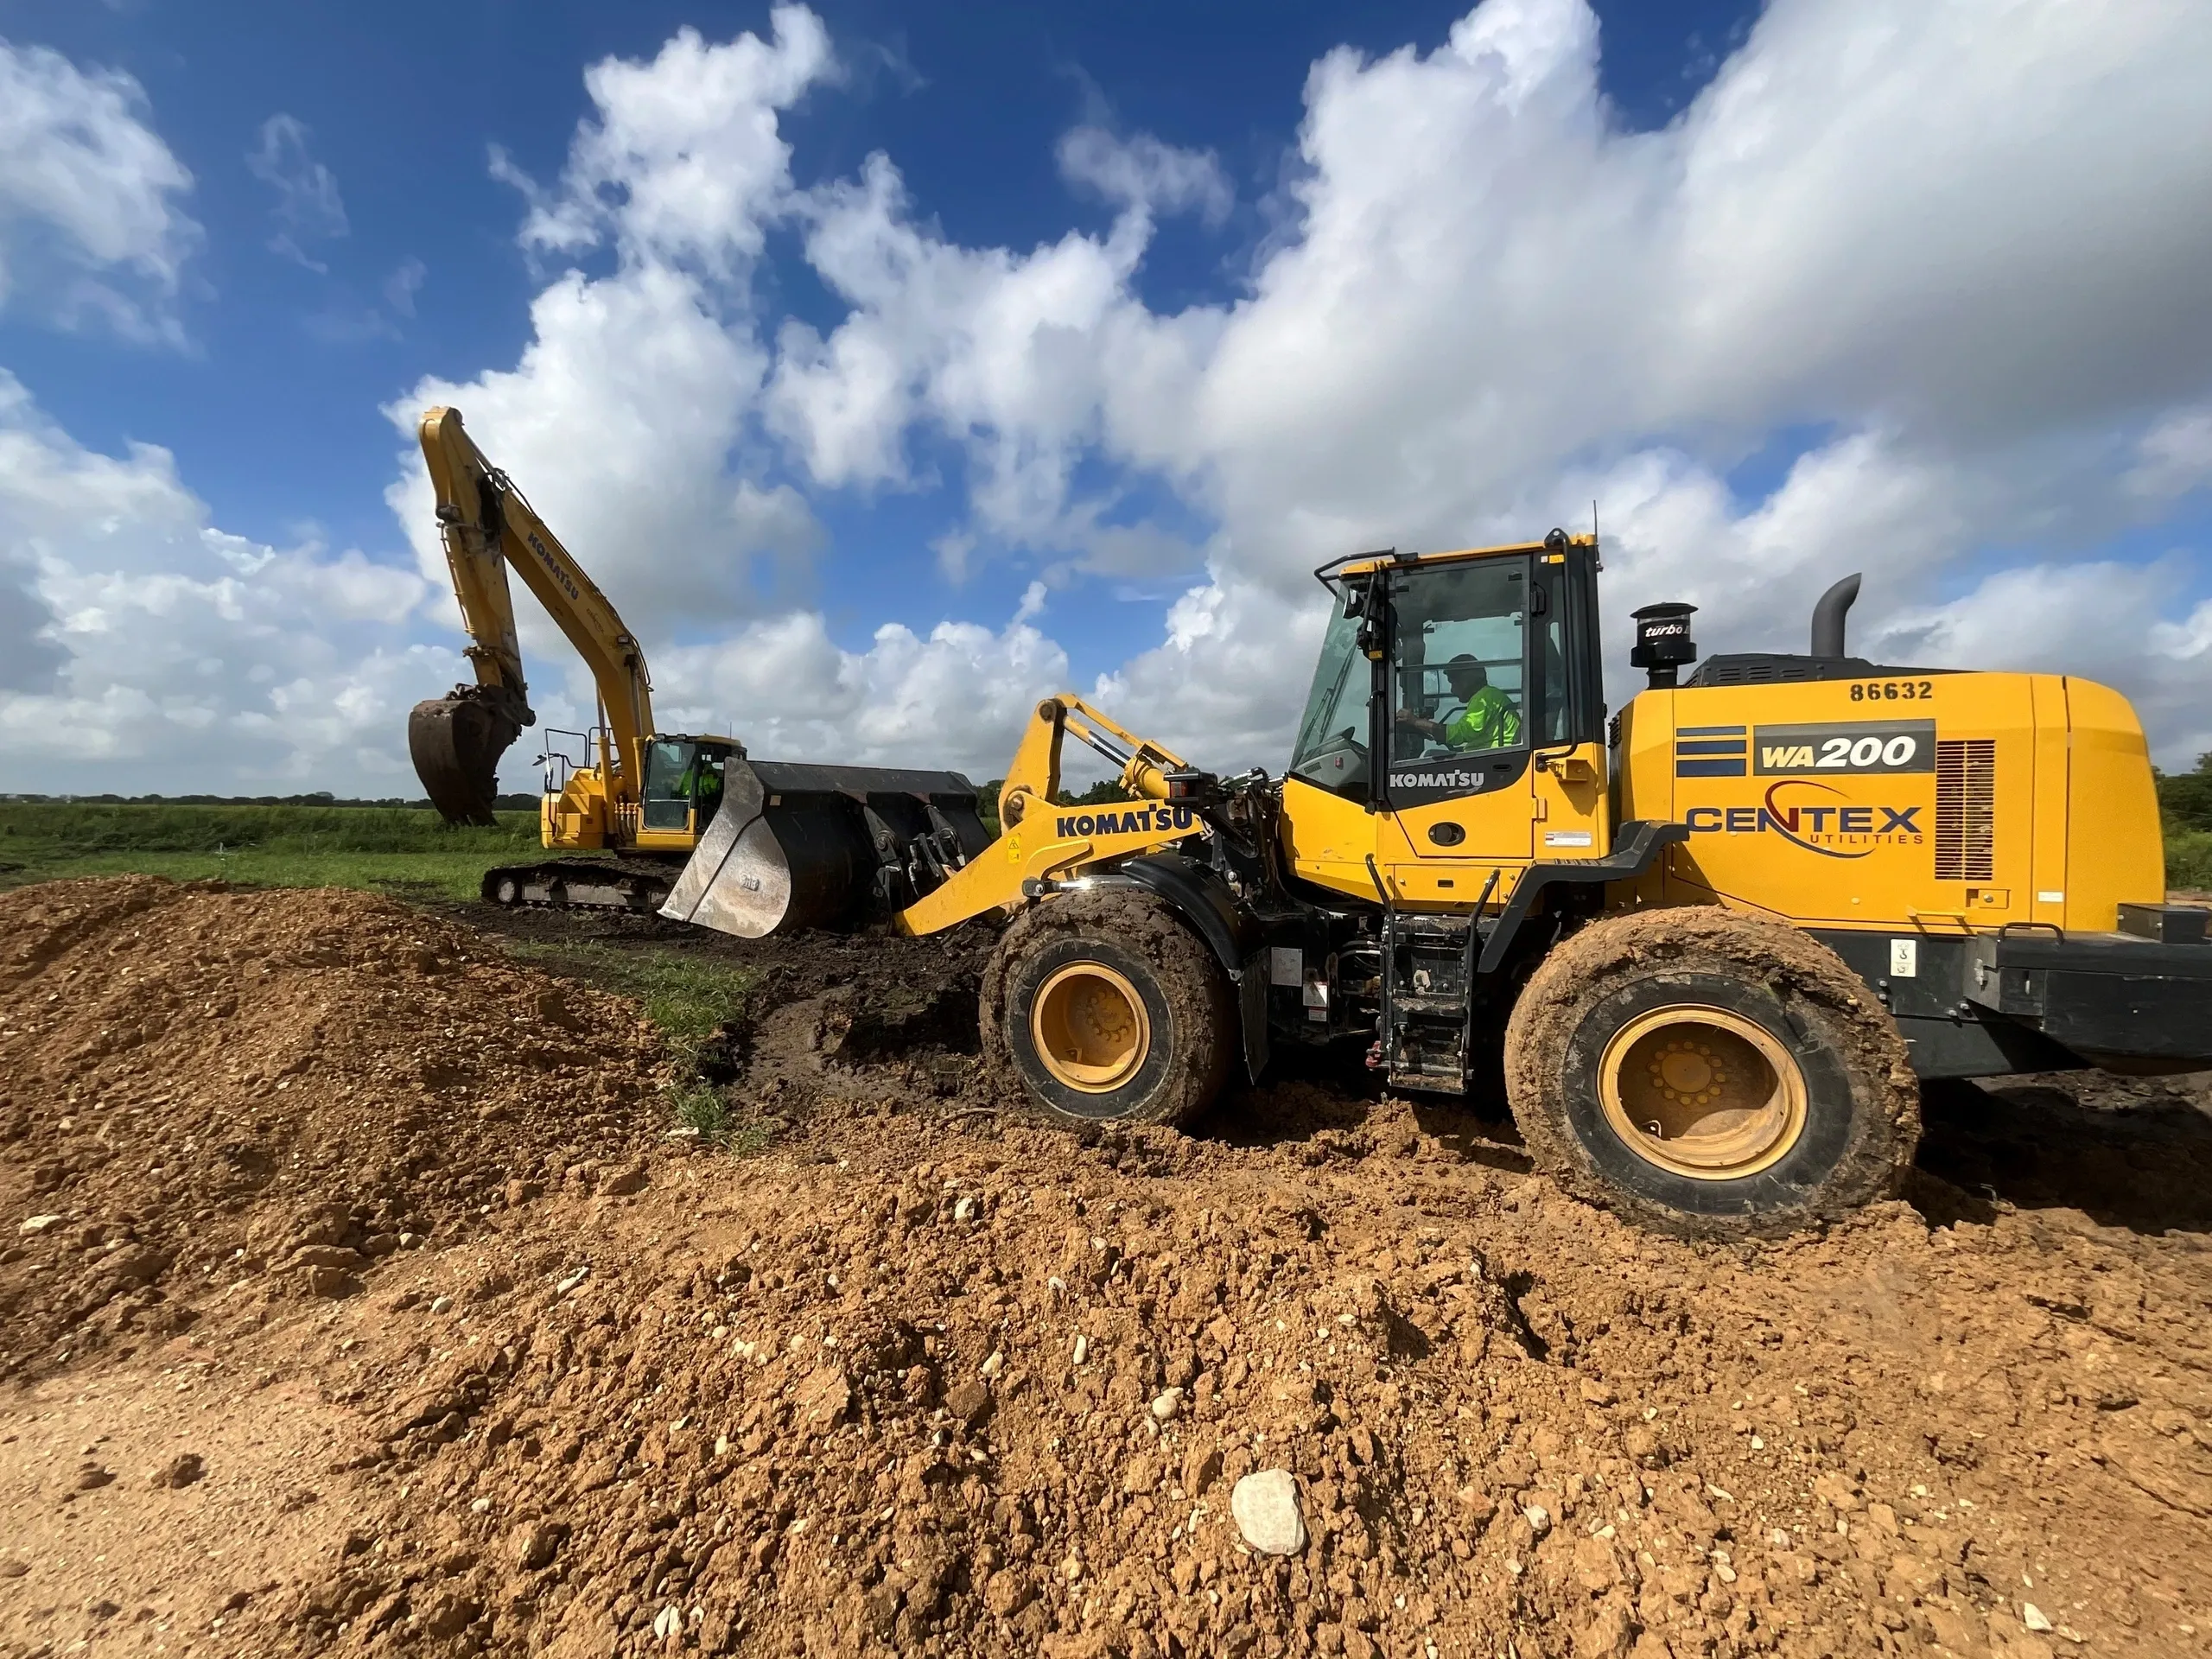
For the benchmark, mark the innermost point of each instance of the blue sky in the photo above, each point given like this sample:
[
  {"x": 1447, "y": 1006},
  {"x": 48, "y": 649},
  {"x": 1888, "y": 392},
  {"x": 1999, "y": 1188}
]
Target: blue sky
[
  {"x": 1818, "y": 356},
  {"x": 273, "y": 413}
]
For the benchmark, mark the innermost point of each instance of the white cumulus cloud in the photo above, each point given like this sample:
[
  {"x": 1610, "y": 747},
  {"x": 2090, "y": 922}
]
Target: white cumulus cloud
[
  {"x": 91, "y": 230},
  {"x": 1493, "y": 303},
  {"x": 1142, "y": 174},
  {"x": 682, "y": 155},
  {"x": 148, "y": 650}
]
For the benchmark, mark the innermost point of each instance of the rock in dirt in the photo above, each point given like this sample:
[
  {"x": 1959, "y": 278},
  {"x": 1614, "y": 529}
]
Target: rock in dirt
[
  {"x": 625, "y": 1182},
  {"x": 179, "y": 1471},
  {"x": 331, "y": 1284},
  {"x": 326, "y": 1256},
  {"x": 1265, "y": 1506},
  {"x": 824, "y": 1399},
  {"x": 970, "y": 1403},
  {"x": 536, "y": 1545}
]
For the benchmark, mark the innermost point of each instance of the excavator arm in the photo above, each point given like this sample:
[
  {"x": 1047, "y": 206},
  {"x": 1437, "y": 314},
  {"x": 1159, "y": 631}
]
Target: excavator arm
[{"x": 488, "y": 527}]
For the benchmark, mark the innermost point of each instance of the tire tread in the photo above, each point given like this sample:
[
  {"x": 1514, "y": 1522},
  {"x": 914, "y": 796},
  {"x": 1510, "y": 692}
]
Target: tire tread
[
  {"x": 1804, "y": 974},
  {"x": 1197, "y": 991}
]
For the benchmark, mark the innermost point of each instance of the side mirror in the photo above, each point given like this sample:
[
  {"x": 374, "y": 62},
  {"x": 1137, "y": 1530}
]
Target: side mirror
[{"x": 1374, "y": 611}]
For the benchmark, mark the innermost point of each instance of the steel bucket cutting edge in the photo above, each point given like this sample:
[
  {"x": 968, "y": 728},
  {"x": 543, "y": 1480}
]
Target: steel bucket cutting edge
[{"x": 802, "y": 846}]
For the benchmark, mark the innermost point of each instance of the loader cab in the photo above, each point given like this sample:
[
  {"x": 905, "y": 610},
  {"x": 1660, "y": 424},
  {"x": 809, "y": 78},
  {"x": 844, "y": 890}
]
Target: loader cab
[
  {"x": 683, "y": 788},
  {"x": 1457, "y": 705}
]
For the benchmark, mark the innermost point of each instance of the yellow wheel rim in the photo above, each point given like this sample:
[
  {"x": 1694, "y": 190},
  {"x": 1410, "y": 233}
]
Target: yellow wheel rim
[
  {"x": 1090, "y": 1027},
  {"x": 1702, "y": 1092}
]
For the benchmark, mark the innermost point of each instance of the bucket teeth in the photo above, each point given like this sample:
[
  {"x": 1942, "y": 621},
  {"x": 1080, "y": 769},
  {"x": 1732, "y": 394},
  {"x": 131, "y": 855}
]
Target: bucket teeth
[{"x": 455, "y": 742}]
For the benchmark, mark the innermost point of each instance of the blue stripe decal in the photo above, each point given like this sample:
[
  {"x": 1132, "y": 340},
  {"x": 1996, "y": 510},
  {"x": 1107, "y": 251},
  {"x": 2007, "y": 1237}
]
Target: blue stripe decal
[
  {"x": 1709, "y": 769},
  {"x": 1711, "y": 730},
  {"x": 1714, "y": 746}
]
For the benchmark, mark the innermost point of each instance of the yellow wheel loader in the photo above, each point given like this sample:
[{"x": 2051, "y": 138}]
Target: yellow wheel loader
[
  {"x": 792, "y": 844},
  {"x": 1709, "y": 948}
]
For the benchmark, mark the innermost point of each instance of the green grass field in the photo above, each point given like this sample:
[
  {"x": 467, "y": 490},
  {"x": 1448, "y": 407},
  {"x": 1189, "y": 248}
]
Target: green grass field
[
  {"x": 398, "y": 849},
  {"x": 686, "y": 994}
]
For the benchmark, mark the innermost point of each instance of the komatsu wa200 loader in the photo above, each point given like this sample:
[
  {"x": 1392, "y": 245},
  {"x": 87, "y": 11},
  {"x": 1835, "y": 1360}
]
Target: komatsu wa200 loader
[{"x": 1710, "y": 946}]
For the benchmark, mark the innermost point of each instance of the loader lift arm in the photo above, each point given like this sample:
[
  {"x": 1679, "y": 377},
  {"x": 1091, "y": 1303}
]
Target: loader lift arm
[
  {"x": 1039, "y": 839},
  {"x": 488, "y": 527}
]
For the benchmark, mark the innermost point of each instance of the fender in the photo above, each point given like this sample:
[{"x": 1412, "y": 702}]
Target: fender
[
  {"x": 1636, "y": 843},
  {"x": 1203, "y": 899}
]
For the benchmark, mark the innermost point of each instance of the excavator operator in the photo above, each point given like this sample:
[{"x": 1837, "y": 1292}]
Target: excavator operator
[
  {"x": 1486, "y": 720},
  {"x": 701, "y": 784}
]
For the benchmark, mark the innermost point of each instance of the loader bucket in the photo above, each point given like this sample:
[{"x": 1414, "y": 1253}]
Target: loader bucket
[
  {"x": 803, "y": 846},
  {"x": 455, "y": 742}
]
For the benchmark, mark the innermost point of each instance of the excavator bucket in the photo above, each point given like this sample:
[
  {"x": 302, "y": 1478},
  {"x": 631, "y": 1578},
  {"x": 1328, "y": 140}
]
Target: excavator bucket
[
  {"x": 804, "y": 846},
  {"x": 455, "y": 742}
]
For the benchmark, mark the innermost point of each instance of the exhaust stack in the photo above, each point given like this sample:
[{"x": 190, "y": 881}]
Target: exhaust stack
[{"x": 1828, "y": 617}]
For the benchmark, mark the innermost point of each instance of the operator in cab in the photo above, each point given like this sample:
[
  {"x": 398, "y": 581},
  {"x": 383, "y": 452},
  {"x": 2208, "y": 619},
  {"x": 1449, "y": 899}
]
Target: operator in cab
[
  {"x": 1487, "y": 718},
  {"x": 701, "y": 784}
]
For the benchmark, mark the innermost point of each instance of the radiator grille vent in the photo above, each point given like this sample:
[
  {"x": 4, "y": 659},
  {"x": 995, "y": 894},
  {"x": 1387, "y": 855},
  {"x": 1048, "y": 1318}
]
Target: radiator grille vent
[{"x": 1966, "y": 808}]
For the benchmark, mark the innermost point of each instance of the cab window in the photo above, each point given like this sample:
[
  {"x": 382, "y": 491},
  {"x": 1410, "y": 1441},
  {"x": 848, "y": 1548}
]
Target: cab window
[
  {"x": 1331, "y": 750},
  {"x": 1458, "y": 677},
  {"x": 680, "y": 776}
]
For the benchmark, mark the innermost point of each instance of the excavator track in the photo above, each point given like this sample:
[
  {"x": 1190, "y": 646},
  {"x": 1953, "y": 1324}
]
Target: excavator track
[{"x": 636, "y": 885}]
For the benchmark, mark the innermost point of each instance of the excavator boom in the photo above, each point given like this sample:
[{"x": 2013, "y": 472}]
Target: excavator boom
[{"x": 488, "y": 527}]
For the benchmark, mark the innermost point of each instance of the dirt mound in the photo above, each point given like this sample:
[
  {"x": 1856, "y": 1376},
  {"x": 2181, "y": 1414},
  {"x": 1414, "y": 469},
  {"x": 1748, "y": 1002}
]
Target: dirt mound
[
  {"x": 197, "y": 1085},
  {"x": 926, "y": 1377},
  {"x": 1003, "y": 1402}
]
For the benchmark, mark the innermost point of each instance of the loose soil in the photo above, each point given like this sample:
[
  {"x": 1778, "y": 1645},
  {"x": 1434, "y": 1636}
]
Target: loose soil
[{"x": 355, "y": 1300}]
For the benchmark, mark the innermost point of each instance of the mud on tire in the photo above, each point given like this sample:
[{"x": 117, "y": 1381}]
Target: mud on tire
[
  {"x": 1574, "y": 1060},
  {"x": 1126, "y": 935}
]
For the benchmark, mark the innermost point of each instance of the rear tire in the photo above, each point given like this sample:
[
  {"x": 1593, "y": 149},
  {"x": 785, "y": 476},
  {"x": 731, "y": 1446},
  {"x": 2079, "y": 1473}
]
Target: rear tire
[
  {"x": 1106, "y": 1009},
  {"x": 1710, "y": 1075}
]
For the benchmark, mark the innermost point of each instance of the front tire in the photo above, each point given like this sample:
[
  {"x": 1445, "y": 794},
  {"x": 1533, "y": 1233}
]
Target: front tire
[
  {"x": 1710, "y": 1075},
  {"x": 1106, "y": 1008}
]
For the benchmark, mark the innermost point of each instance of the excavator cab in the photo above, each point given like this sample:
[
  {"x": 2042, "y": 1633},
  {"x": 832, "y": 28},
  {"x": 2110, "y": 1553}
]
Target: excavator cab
[{"x": 683, "y": 785}]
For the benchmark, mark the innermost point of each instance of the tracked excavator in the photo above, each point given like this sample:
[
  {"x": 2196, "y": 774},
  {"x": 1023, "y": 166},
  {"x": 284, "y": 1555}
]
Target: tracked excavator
[
  {"x": 801, "y": 845},
  {"x": 1707, "y": 949}
]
